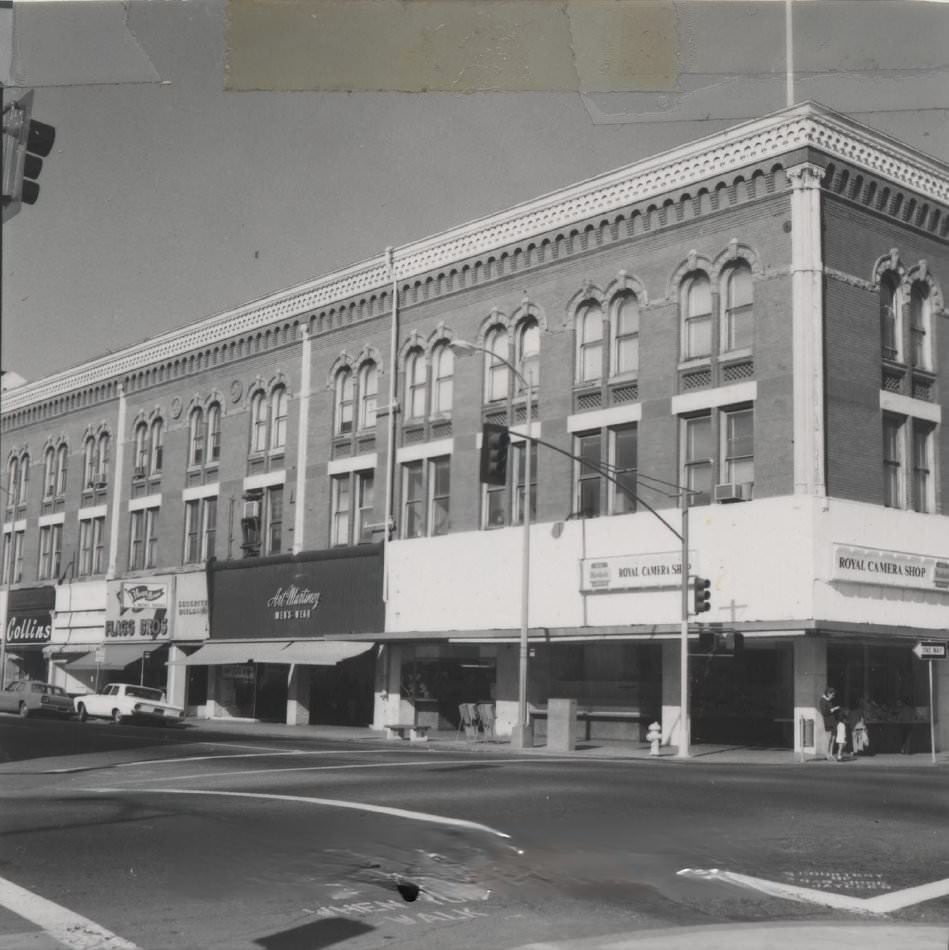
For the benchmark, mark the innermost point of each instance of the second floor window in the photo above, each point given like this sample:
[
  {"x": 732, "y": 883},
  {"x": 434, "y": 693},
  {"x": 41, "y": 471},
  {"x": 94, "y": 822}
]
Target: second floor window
[
  {"x": 352, "y": 504},
  {"x": 624, "y": 465},
  {"x": 738, "y": 453},
  {"x": 922, "y": 466},
  {"x": 697, "y": 458},
  {"x": 51, "y": 551},
  {"x": 426, "y": 497},
  {"x": 892, "y": 462},
  {"x": 143, "y": 538},
  {"x": 587, "y": 447},
  {"x": 13, "y": 557},
  {"x": 200, "y": 529},
  {"x": 273, "y": 519},
  {"x": 91, "y": 546}
]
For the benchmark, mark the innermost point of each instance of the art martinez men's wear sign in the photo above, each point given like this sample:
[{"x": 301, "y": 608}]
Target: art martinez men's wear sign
[
  {"x": 307, "y": 595},
  {"x": 30, "y": 615}
]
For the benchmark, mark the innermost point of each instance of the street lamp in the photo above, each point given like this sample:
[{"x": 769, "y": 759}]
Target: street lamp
[{"x": 521, "y": 736}]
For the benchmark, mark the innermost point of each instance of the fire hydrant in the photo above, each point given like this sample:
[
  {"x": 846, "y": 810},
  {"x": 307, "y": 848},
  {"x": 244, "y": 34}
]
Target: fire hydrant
[{"x": 654, "y": 737}]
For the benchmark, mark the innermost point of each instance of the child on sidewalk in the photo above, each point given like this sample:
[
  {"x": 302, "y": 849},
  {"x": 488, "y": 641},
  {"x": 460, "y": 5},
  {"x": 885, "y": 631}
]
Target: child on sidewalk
[{"x": 840, "y": 738}]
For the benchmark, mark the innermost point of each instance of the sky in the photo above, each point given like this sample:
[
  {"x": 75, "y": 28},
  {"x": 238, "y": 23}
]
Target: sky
[{"x": 166, "y": 202}]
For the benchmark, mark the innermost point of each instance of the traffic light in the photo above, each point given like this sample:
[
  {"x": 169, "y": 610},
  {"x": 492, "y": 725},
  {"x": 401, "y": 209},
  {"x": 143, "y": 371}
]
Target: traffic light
[
  {"x": 701, "y": 595},
  {"x": 495, "y": 440},
  {"x": 26, "y": 142}
]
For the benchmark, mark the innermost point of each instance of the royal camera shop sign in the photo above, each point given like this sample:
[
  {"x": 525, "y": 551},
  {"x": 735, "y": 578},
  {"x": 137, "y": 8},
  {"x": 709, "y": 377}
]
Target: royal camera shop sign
[
  {"x": 890, "y": 568},
  {"x": 633, "y": 571}
]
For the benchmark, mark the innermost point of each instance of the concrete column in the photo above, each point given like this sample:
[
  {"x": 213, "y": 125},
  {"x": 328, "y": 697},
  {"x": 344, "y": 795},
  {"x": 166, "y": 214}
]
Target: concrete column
[
  {"x": 177, "y": 676},
  {"x": 941, "y": 703},
  {"x": 213, "y": 691},
  {"x": 118, "y": 474},
  {"x": 810, "y": 678},
  {"x": 299, "y": 511},
  {"x": 505, "y": 707},
  {"x": 298, "y": 696},
  {"x": 671, "y": 694},
  {"x": 807, "y": 316},
  {"x": 388, "y": 686}
]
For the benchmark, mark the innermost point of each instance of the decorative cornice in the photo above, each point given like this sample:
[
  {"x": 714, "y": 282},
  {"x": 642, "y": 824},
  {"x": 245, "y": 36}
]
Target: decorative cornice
[{"x": 808, "y": 125}]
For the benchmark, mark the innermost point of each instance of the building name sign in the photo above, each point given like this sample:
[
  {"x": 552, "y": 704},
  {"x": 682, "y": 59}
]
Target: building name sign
[
  {"x": 633, "y": 571},
  {"x": 891, "y": 568},
  {"x": 29, "y": 629},
  {"x": 154, "y": 628}
]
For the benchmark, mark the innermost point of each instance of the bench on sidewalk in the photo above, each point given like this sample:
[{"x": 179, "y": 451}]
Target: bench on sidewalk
[{"x": 415, "y": 732}]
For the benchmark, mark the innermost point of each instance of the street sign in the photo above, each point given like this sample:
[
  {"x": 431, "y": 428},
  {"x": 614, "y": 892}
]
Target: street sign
[{"x": 931, "y": 649}]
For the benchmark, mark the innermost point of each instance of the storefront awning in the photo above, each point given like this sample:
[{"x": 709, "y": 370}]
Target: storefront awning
[
  {"x": 303, "y": 652},
  {"x": 113, "y": 656}
]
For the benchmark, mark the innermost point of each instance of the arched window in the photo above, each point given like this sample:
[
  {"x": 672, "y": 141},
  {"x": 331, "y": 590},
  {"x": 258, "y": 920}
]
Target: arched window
[
  {"x": 24, "y": 481},
  {"x": 415, "y": 385},
  {"x": 13, "y": 481},
  {"x": 920, "y": 325},
  {"x": 278, "y": 417},
  {"x": 89, "y": 462},
  {"x": 624, "y": 336},
  {"x": 49, "y": 473},
  {"x": 62, "y": 460},
  {"x": 102, "y": 457},
  {"x": 589, "y": 325},
  {"x": 155, "y": 447},
  {"x": 528, "y": 350},
  {"x": 258, "y": 422},
  {"x": 443, "y": 371},
  {"x": 696, "y": 306},
  {"x": 343, "y": 401},
  {"x": 196, "y": 437},
  {"x": 368, "y": 387},
  {"x": 213, "y": 424},
  {"x": 738, "y": 316},
  {"x": 496, "y": 385},
  {"x": 141, "y": 449},
  {"x": 891, "y": 317}
]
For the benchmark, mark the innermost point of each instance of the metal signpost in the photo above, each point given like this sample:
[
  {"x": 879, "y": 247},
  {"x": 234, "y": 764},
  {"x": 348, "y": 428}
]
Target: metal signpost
[{"x": 932, "y": 650}]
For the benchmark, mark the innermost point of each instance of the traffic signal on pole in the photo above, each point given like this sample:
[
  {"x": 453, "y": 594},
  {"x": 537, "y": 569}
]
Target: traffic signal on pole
[
  {"x": 701, "y": 595},
  {"x": 26, "y": 142},
  {"x": 495, "y": 440}
]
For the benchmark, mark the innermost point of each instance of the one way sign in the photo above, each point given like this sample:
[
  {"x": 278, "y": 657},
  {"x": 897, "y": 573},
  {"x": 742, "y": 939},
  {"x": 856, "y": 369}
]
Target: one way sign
[{"x": 931, "y": 649}]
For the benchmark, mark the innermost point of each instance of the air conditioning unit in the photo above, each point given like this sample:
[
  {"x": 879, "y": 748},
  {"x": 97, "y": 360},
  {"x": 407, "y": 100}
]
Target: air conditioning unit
[
  {"x": 101, "y": 481},
  {"x": 139, "y": 471},
  {"x": 733, "y": 491},
  {"x": 251, "y": 509}
]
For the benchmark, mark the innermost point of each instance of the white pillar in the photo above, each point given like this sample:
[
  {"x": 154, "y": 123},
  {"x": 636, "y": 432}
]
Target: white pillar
[
  {"x": 807, "y": 315},
  {"x": 810, "y": 678},
  {"x": 671, "y": 698},
  {"x": 119, "y": 475},
  {"x": 299, "y": 511},
  {"x": 298, "y": 696},
  {"x": 177, "y": 675}
]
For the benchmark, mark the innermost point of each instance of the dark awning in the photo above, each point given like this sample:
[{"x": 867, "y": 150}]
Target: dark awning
[
  {"x": 114, "y": 656},
  {"x": 303, "y": 652}
]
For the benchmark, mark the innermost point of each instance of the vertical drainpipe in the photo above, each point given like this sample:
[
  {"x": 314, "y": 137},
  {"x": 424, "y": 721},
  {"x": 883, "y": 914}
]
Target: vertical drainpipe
[
  {"x": 117, "y": 487},
  {"x": 390, "y": 448},
  {"x": 299, "y": 511},
  {"x": 807, "y": 315}
]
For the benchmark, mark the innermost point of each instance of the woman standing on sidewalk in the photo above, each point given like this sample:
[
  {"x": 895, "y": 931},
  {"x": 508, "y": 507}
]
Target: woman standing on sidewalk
[{"x": 828, "y": 707}]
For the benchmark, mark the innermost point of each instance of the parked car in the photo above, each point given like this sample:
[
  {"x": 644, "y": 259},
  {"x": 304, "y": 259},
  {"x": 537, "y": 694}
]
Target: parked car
[
  {"x": 119, "y": 701},
  {"x": 27, "y": 697}
]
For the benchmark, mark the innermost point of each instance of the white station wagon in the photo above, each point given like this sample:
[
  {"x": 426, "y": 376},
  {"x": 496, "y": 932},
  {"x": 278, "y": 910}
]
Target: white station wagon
[{"x": 120, "y": 701}]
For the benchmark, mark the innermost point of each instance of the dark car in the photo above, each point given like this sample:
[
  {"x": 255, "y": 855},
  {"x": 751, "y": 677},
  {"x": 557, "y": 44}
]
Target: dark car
[{"x": 27, "y": 697}]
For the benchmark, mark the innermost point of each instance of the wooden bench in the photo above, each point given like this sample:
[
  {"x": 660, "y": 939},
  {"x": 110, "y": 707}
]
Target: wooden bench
[
  {"x": 415, "y": 732},
  {"x": 590, "y": 715}
]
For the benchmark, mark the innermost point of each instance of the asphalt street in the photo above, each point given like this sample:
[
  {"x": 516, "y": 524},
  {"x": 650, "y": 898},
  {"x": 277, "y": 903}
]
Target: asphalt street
[{"x": 125, "y": 836}]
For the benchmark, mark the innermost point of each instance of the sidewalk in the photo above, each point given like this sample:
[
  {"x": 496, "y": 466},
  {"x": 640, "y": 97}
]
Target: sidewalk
[{"x": 598, "y": 749}]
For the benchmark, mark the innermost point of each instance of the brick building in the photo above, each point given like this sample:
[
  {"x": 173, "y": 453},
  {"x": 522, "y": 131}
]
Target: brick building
[{"x": 756, "y": 318}]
